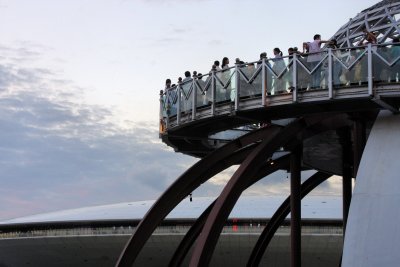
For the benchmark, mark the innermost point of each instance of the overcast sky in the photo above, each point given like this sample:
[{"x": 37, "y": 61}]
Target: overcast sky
[{"x": 79, "y": 84}]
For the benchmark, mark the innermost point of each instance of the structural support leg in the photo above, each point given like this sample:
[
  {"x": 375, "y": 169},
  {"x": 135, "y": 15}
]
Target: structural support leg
[{"x": 295, "y": 207}]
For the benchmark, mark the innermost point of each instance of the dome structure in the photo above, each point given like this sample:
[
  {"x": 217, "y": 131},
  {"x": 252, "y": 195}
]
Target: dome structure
[{"x": 382, "y": 19}]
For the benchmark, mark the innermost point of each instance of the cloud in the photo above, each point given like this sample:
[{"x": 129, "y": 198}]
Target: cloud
[{"x": 57, "y": 152}]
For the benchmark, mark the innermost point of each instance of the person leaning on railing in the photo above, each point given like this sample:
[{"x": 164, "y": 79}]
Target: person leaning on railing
[{"x": 314, "y": 48}]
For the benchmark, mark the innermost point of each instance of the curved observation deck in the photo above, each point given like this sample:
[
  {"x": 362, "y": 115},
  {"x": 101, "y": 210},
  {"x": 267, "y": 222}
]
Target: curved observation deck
[
  {"x": 312, "y": 111},
  {"x": 202, "y": 113}
]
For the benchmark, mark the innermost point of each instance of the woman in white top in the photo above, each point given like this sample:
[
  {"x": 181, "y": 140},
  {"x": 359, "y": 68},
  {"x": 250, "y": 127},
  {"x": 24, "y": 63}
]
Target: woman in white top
[
  {"x": 279, "y": 65},
  {"x": 226, "y": 74}
]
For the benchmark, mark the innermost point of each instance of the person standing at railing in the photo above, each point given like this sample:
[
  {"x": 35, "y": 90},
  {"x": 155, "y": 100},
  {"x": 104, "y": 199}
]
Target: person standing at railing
[
  {"x": 216, "y": 64},
  {"x": 201, "y": 91},
  {"x": 314, "y": 58},
  {"x": 186, "y": 98},
  {"x": 267, "y": 71},
  {"x": 278, "y": 67},
  {"x": 337, "y": 67},
  {"x": 248, "y": 89},
  {"x": 226, "y": 75},
  {"x": 170, "y": 109},
  {"x": 302, "y": 75},
  {"x": 290, "y": 77}
]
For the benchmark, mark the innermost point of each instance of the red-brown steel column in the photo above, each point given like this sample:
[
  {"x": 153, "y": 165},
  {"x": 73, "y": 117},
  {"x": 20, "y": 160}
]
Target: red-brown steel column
[{"x": 295, "y": 207}]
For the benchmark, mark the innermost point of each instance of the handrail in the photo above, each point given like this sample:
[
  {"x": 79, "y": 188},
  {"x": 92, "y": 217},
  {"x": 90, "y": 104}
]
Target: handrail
[{"x": 267, "y": 78}]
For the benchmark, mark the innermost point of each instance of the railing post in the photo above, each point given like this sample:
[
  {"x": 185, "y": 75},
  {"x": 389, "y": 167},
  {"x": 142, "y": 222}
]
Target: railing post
[
  {"x": 330, "y": 73},
  {"x": 370, "y": 70},
  {"x": 237, "y": 92},
  {"x": 194, "y": 97},
  {"x": 178, "y": 106},
  {"x": 264, "y": 82},
  {"x": 294, "y": 78},
  {"x": 213, "y": 90}
]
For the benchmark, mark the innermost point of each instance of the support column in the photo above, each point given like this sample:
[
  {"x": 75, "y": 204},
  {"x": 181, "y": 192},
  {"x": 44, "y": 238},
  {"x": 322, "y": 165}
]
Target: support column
[{"x": 295, "y": 207}]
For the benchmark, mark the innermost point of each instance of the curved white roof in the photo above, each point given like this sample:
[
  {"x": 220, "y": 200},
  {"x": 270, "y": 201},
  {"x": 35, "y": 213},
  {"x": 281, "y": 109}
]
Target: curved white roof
[{"x": 313, "y": 207}]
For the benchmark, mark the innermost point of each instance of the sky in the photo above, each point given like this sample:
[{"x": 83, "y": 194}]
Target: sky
[{"x": 79, "y": 86}]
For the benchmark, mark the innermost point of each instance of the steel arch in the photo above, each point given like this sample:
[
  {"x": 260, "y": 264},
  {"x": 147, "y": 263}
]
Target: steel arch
[
  {"x": 207, "y": 240},
  {"x": 196, "y": 228},
  {"x": 279, "y": 216},
  {"x": 200, "y": 172}
]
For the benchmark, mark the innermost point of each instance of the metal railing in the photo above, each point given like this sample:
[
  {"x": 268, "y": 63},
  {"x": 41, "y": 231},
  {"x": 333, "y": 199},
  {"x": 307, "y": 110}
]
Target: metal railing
[
  {"x": 291, "y": 78},
  {"x": 256, "y": 227}
]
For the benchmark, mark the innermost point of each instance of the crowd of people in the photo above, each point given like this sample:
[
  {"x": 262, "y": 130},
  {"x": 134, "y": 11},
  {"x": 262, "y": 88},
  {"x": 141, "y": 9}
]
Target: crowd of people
[{"x": 279, "y": 78}]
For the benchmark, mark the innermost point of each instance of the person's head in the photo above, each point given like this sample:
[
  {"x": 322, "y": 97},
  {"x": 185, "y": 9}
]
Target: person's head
[
  {"x": 263, "y": 55},
  {"x": 216, "y": 63},
  {"x": 199, "y": 75},
  {"x": 290, "y": 50},
  {"x": 237, "y": 60},
  {"x": 306, "y": 47},
  {"x": 187, "y": 74},
  {"x": 277, "y": 51},
  {"x": 168, "y": 83},
  {"x": 295, "y": 49},
  {"x": 225, "y": 61},
  {"x": 332, "y": 43},
  {"x": 317, "y": 37}
]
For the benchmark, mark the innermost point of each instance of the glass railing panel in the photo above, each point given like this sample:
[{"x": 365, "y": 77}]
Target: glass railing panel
[
  {"x": 203, "y": 91},
  {"x": 312, "y": 71},
  {"x": 385, "y": 61},
  {"x": 186, "y": 95},
  {"x": 350, "y": 67},
  {"x": 250, "y": 80},
  {"x": 170, "y": 101},
  {"x": 225, "y": 85},
  {"x": 257, "y": 82},
  {"x": 395, "y": 68}
]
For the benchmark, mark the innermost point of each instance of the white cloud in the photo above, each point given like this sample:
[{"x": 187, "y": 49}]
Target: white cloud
[{"x": 59, "y": 152}]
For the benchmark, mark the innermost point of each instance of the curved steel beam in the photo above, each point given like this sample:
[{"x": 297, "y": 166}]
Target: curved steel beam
[
  {"x": 200, "y": 172},
  {"x": 209, "y": 236},
  {"x": 279, "y": 216},
  {"x": 195, "y": 229},
  {"x": 180, "y": 253}
]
